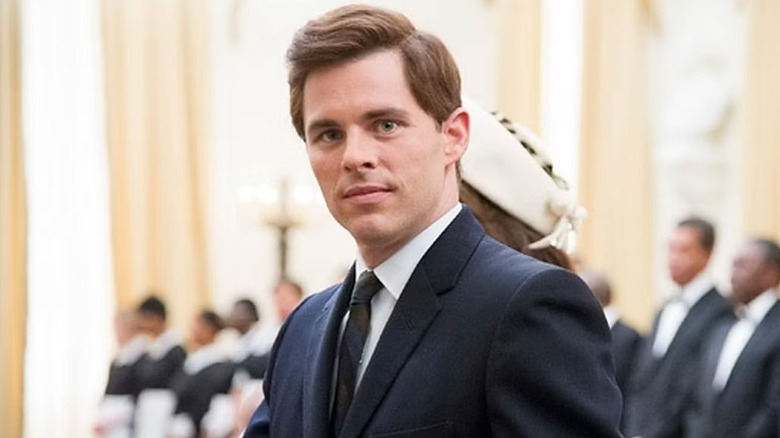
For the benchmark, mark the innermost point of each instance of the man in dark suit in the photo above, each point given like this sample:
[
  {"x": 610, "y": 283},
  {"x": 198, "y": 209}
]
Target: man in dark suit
[
  {"x": 668, "y": 363},
  {"x": 625, "y": 340},
  {"x": 437, "y": 329},
  {"x": 737, "y": 394}
]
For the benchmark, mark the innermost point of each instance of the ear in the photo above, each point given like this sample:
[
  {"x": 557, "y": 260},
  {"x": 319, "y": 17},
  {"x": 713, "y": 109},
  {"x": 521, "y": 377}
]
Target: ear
[{"x": 456, "y": 135}]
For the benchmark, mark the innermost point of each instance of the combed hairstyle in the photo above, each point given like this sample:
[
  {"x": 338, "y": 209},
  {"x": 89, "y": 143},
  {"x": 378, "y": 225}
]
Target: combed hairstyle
[
  {"x": 508, "y": 229},
  {"x": 705, "y": 229},
  {"x": 350, "y": 32},
  {"x": 153, "y": 306},
  {"x": 771, "y": 252}
]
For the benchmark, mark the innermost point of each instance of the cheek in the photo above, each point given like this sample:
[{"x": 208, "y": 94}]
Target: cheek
[{"x": 325, "y": 169}]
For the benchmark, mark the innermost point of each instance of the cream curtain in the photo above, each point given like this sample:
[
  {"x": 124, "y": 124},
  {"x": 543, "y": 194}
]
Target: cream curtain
[
  {"x": 615, "y": 166},
  {"x": 760, "y": 150},
  {"x": 156, "y": 89},
  {"x": 520, "y": 66},
  {"x": 13, "y": 227}
]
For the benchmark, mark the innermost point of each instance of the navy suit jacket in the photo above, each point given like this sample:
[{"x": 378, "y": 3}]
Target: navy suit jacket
[{"x": 482, "y": 342}]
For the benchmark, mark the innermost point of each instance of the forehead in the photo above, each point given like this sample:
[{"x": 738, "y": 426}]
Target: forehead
[{"x": 353, "y": 88}]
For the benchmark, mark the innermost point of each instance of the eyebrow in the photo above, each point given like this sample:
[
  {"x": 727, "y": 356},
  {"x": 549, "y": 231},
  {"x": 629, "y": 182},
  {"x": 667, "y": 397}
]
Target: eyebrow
[
  {"x": 388, "y": 112},
  {"x": 379, "y": 113},
  {"x": 320, "y": 124}
]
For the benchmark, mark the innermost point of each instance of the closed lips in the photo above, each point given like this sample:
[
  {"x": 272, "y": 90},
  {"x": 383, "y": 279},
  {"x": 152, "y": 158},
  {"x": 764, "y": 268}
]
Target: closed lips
[{"x": 364, "y": 190}]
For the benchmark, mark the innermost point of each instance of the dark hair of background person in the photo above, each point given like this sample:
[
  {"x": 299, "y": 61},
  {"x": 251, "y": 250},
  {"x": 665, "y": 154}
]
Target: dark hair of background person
[
  {"x": 212, "y": 320},
  {"x": 771, "y": 252},
  {"x": 153, "y": 306},
  {"x": 250, "y": 308},
  {"x": 704, "y": 228}
]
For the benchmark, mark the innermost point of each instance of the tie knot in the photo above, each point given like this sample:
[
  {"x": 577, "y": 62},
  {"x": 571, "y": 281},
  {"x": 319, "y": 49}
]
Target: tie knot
[{"x": 366, "y": 287}]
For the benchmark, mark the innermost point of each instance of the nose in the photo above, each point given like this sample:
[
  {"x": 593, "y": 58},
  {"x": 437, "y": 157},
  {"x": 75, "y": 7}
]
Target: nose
[{"x": 360, "y": 151}]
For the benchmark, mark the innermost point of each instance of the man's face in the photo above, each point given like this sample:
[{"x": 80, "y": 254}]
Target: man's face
[
  {"x": 150, "y": 323},
  {"x": 687, "y": 257},
  {"x": 382, "y": 163},
  {"x": 202, "y": 332},
  {"x": 748, "y": 274},
  {"x": 239, "y": 319}
]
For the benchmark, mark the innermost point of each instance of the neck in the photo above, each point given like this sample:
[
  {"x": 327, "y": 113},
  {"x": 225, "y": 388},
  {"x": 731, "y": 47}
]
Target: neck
[{"x": 375, "y": 253}]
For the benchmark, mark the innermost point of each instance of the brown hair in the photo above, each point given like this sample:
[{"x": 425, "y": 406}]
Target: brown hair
[
  {"x": 350, "y": 32},
  {"x": 508, "y": 229}
]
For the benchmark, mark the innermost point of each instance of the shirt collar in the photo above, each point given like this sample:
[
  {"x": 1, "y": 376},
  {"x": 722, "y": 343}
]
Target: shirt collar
[
  {"x": 203, "y": 357},
  {"x": 759, "y": 307},
  {"x": 692, "y": 292},
  {"x": 612, "y": 316},
  {"x": 395, "y": 272},
  {"x": 132, "y": 351},
  {"x": 160, "y": 347}
]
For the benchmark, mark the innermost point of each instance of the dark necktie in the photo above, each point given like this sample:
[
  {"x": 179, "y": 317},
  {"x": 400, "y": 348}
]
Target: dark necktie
[{"x": 352, "y": 343}]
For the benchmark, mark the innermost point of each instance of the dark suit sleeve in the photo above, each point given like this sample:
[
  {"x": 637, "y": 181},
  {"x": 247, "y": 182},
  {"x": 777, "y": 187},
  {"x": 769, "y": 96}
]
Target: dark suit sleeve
[{"x": 550, "y": 371}]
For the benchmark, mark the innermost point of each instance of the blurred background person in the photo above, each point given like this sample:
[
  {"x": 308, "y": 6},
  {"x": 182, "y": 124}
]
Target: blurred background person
[
  {"x": 251, "y": 353},
  {"x": 202, "y": 385},
  {"x": 250, "y": 360},
  {"x": 669, "y": 362},
  {"x": 287, "y": 295},
  {"x": 164, "y": 358},
  {"x": 625, "y": 340},
  {"x": 115, "y": 414},
  {"x": 739, "y": 387}
]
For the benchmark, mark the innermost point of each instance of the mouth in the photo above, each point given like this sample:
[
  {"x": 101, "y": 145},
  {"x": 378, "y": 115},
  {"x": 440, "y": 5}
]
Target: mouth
[{"x": 366, "y": 193}]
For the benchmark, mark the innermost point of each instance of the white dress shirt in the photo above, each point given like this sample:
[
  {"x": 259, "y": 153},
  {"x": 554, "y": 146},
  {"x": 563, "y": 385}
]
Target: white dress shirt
[
  {"x": 394, "y": 273},
  {"x": 674, "y": 313},
  {"x": 740, "y": 333},
  {"x": 612, "y": 316}
]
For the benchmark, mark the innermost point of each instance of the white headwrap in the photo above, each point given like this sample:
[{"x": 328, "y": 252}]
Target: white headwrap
[{"x": 507, "y": 164}]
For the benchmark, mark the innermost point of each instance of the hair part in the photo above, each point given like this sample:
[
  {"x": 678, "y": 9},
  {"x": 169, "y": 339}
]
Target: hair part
[
  {"x": 704, "y": 228},
  {"x": 351, "y": 32}
]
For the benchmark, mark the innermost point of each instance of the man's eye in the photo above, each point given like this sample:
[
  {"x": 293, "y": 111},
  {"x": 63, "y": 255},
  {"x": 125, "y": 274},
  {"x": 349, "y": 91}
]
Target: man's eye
[
  {"x": 330, "y": 136},
  {"x": 387, "y": 126}
]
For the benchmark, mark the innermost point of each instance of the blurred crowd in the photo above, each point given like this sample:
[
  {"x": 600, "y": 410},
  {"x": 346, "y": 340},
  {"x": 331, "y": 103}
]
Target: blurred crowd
[
  {"x": 710, "y": 366},
  {"x": 162, "y": 385}
]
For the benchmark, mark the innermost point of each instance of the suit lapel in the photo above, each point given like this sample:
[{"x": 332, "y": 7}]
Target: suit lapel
[
  {"x": 416, "y": 309},
  {"x": 765, "y": 334},
  {"x": 320, "y": 357},
  {"x": 691, "y": 324}
]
